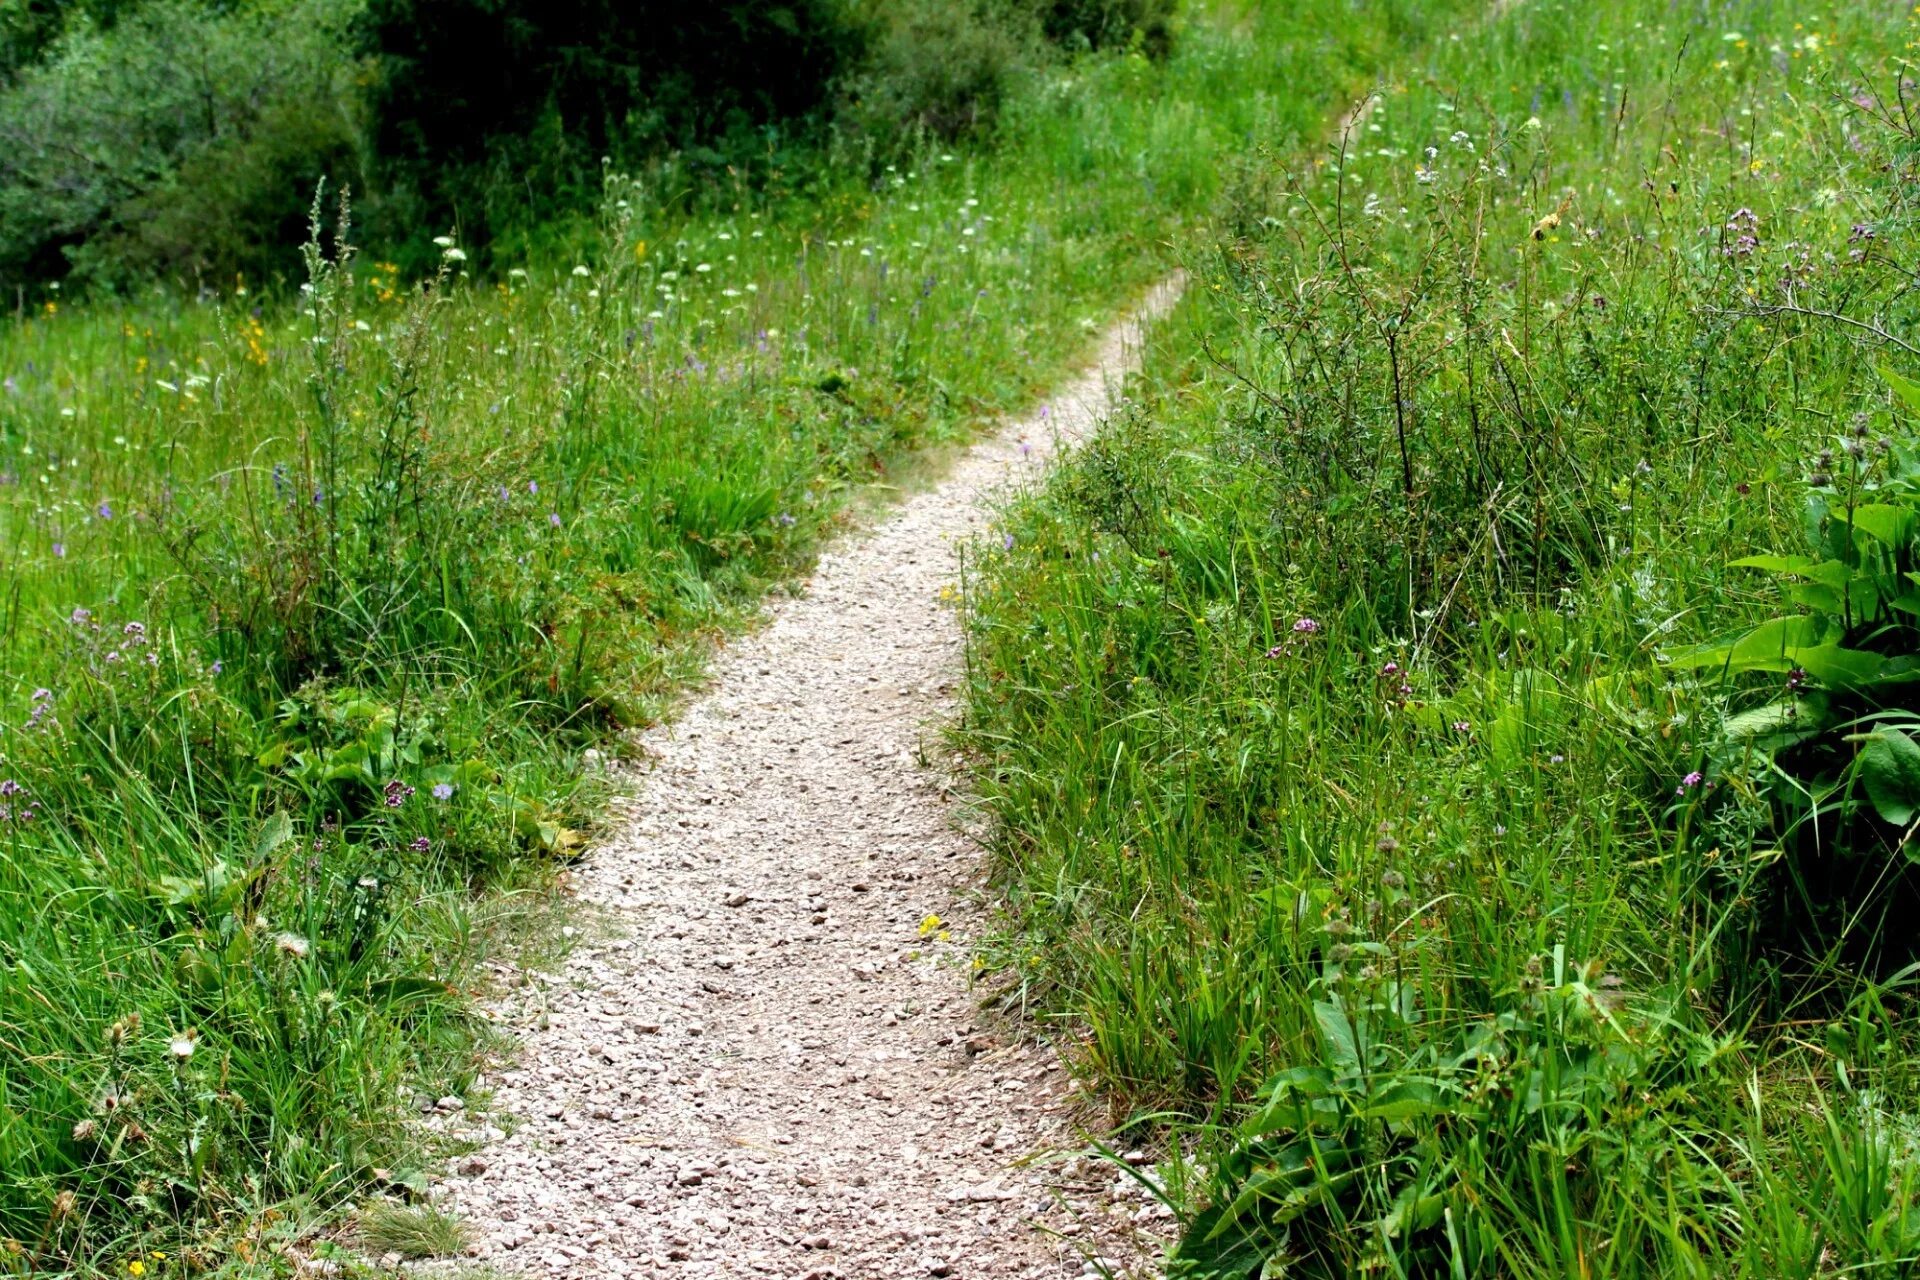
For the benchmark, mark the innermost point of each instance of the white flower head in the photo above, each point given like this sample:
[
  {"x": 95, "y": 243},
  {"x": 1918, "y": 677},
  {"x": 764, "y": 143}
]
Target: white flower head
[
  {"x": 182, "y": 1043},
  {"x": 292, "y": 944}
]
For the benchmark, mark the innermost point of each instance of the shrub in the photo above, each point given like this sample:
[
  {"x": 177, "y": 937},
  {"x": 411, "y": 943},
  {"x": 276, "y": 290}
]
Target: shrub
[
  {"x": 183, "y": 140},
  {"x": 492, "y": 115},
  {"x": 938, "y": 69},
  {"x": 1109, "y": 24}
]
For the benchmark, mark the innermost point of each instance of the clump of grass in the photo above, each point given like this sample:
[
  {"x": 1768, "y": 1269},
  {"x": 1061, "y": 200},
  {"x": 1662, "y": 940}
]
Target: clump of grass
[
  {"x": 1349, "y": 790},
  {"x": 411, "y": 1230}
]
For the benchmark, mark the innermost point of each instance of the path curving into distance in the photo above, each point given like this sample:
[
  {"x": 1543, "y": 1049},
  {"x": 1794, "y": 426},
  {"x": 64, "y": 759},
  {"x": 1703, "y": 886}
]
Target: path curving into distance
[{"x": 758, "y": 1063}]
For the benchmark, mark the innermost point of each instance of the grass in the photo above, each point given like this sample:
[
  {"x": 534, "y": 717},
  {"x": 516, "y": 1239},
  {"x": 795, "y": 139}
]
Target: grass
[
  {"x": 312, "y": 604},
  {"x": 411, "y": 1230},
  {"x": 1365, "y": 790}
]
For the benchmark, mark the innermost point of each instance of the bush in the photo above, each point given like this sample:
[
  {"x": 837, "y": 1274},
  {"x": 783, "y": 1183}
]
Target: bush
[
  {"x": 938, "y": 69},
  {"x": 1109, "y": 24},
  {"x": 181, "y": 140},
  {"x": 585, "y": 82}
]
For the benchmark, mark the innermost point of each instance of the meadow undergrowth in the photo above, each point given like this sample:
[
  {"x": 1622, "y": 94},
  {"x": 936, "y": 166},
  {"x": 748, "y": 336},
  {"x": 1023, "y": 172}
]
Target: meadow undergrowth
[
  {"x": 314, "y": 605},
  {"x": 1391, "y": 777}
]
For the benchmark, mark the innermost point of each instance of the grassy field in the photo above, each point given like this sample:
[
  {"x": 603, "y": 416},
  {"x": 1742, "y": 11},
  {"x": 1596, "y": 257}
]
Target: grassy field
[
  {"x": 1452, "y": 737},
  {"x": 314, "y": 603}
]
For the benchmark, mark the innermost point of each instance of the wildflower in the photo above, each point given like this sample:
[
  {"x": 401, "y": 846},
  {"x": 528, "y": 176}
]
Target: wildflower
[
  {"x": 443, "y": 791},
  {"x": 504, "y": 495},
  {"x": 1462, "y": 726},
  {"x": 43, "y": 695},
  {"x": 396, "y": 793},
  {"x": 1276, "y": 651},
  {"x": 136, "y": 1268},
  {"x": 79, "y": 615},
  {"x": 582, "y": 272},
  {"x": 421, "y": 845},
  {"x": 454, "y": 254},
  {"x": 1689, "y": 782},
  {"x": 104, "y": 510},
  {"x": 59, "y": 551},
  {"x": 216, "y": 668},
  {"x": 1796, "y": 678},
  {"x": 1391, "y": 669},
  {"x": 553, "y": 518},
  {"x": 10, "y": 788},
  {"x": 135, "y": 631},
  {"x": 533, "y": 486},
  {"x": 1393, "y": 880},
  {"x": 292, "y": 945},
  {"x": 1306, "y": 626},
  {"x": 1006, "y": 542},
  {"x": 1556, "y": 759},
  {"x": 785, "y": 520},
  {"x": 83, "y": 1131},
  {"x": 1386, "y": 844},
  {"x": 182, "y": 1044}
]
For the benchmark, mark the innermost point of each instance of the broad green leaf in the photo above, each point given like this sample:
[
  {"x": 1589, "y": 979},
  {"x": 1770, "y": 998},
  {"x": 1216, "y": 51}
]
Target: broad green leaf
[
  {"x": 1337, "y": 1031},
  {"x": 1831, "y": 572},
  {"x": 1889, "y": 768},
  {"x": 1884, "y": 521},
  {"x": 1907, "y": 389},
  {"x": 1767, "y": 647},
  {"x": 1839, "y": 667},
  {"x": 275, "y": 832}
]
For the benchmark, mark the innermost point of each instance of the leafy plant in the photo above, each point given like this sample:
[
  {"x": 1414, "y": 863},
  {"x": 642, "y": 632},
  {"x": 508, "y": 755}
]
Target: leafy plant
[
  {"x": 1377, "y": 1157},
  {"x": 1833, "y": 747}
]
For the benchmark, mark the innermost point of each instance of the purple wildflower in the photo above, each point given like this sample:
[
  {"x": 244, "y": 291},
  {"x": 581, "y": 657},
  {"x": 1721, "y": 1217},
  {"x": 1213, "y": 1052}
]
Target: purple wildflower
[
  {"x": 553, "y": 518},
  {"x": 533, "y": 486},
  {"x": 421, "y": 845},
  {"x": 216, "y": 667},
  {"x": 79, "y": 615},
  {"x": 1306, "y": 626},
  {"x": 59, "y": 551},
  {"x": 1689, "y": 782},
  {"x": 784, "y": 520},
  {"x": 1276, "y": 651},
  {"x": 443, "y": 791},
  {"x": 104, "y": 510},
  {"x": 43, "y": 695},
  {"x": 1006, "y": 542},
  {"x": 396, "y": 793},
  {"x": 10, "y": 788},
  {"x": 1462, "y": 726}
]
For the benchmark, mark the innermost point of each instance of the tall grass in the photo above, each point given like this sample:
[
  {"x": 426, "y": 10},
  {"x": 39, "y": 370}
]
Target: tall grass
[
  {"x": 1348, "y": 793},
  {"x": 313, "y": 605}
]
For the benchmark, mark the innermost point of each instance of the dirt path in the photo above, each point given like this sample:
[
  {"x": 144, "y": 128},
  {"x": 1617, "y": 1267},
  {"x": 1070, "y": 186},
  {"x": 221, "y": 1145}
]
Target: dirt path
[{"x": 771, "y": 1065}]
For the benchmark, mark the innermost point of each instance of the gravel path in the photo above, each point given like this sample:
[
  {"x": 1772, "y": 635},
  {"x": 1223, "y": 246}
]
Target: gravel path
[{"x": 769, "y": 1063}]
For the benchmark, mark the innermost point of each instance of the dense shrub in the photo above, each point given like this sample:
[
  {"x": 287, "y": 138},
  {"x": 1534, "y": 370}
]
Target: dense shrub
[
  {"x": 493, "y": 115},
  {"x": 1107, "y": 24},
  {"x": 182, "y": 140},
  {"x": 939, "y": 69}
]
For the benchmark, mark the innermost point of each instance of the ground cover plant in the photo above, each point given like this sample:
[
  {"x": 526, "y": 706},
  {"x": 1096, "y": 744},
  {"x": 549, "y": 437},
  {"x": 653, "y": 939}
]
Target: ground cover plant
[
  {"x": 313, "y": 606},
  {"x": 1452, "y": 738}
]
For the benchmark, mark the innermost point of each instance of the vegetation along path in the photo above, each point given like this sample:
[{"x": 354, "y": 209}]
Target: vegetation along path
[{"x": 769, "y": 1064}]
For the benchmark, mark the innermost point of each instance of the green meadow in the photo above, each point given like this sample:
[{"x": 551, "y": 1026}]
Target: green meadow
[
  {"x": 1452, "y": 737},
  {"x": 319, "y": 588}
]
